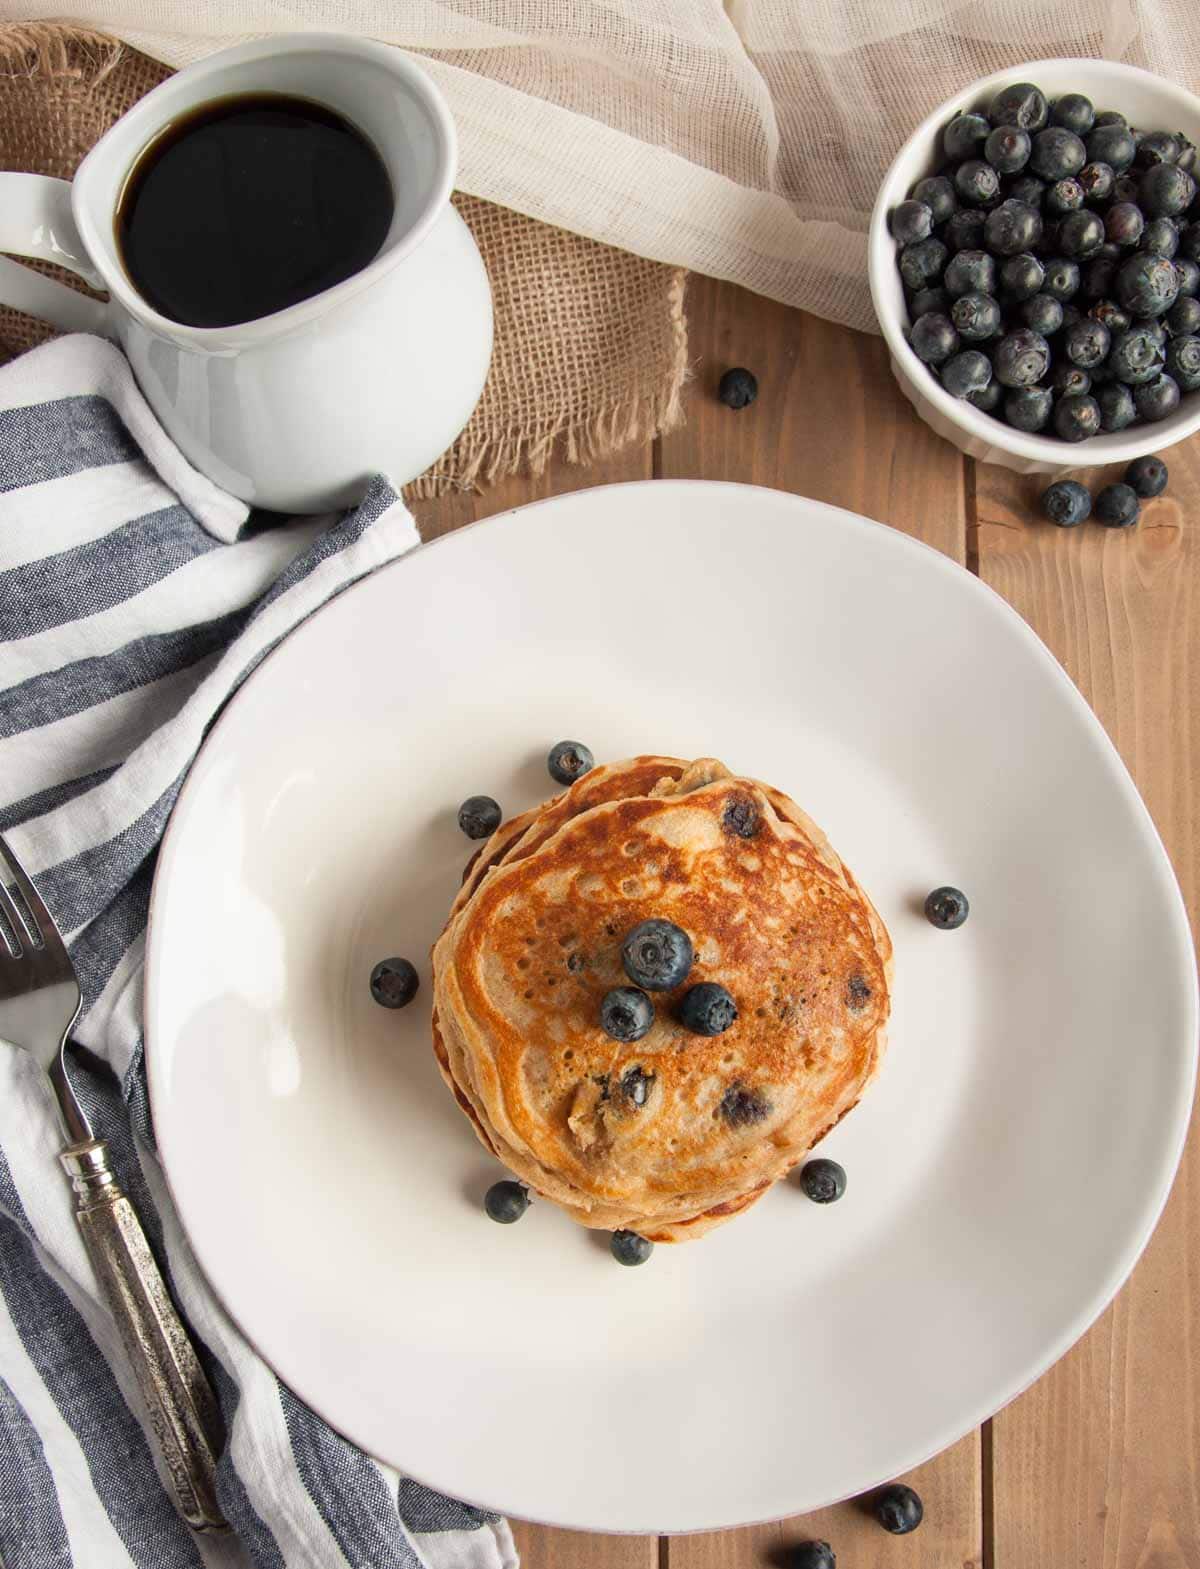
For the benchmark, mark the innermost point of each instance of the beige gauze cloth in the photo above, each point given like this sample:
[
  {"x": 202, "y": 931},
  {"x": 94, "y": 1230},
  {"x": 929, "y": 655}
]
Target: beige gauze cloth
[{"x": 740, "y": 138}]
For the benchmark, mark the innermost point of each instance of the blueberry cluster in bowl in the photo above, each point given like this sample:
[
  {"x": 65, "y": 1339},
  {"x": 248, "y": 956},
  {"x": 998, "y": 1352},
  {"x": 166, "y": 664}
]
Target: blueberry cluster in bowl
[{"x": 1052, "y": 267}]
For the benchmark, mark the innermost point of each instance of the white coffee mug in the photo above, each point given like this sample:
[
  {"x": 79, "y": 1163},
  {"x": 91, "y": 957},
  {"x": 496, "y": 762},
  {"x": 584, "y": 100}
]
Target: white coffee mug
[{"x": 296, "y": 410}]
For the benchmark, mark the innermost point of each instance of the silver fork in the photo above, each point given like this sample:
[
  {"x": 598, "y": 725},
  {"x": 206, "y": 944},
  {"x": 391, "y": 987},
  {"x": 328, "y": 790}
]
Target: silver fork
[{"x": 39, "y": 1002}]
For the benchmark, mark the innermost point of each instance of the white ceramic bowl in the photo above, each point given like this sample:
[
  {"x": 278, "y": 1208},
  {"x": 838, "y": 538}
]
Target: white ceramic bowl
[{"x": 1146, "y": 101}]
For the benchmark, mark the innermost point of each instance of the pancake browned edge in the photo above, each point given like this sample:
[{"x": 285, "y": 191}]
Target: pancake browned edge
[{"x": 704, "y": 1125}]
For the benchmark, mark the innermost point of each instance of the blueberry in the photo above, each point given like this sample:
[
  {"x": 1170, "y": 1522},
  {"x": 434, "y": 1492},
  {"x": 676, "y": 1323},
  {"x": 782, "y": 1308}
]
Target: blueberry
[
  {"x": 1183, "y": 362},
  {"x": 1117, "y": 506},
  {"x": 823, "y": 1180},
  {"x": 1158, "y": 398},
  {"x": 1147, "y": 477},
  {"x": 738, "y": 387},
  {"x": 1111, "y": 144},
  {"x": 965, "y": 373},
  {"x": 1109, "y": 252},
  {"x": 1136, "y": 355},
  {"x": 811, "y": 1555},
  {"x": 394, "y": 983},
  {"x": 934, "y": 338},
  {"x": 1188, "y": 273},
  {"x": 628, "y": 1248},
  {"x": 970, "y": 272},
  {"x": 506, "y": 1201},
  {"x": 1057, "y": 153},
  {"x": 707, "y": 1009},
  {"x": 964, "y": 231},
  {"x": 1021, "y": 358},
  {"x": 1064, "y": 196},
  {"x": 626, "y": 1013},
  {"x": 1028, "y": 408},
  {"x": 1183, "y": 319},
  {"x": 479, "y": 816},
  {"x": 569, "y": 760},
  {"x": 1160, "y": 237},
  {"x": 1117, "y": 408},
  {"x": 1070, "y": 381},
  {"x": 1061, "y": 278},
  {"x": 1020, "y": 104},
  {"x": 964, "y": 136},
  {"x": 976, "y": 183},
  {"x": 926, "y": 300},
  {"x": 742, "y": 1108},
  {"x": 1166, "y": 191},
  {"x": 657, "y": 955},
  {"x": 1086, "y": 343},
  {"x": 1097, "y": 280},
  {"x": 741, "y": 817},
  {"x": 1029, "y": 189},
  {"x": 1111, "y": 117},
  {"x": 987, "y": 398},
  {"x": 920, "y": 264},
  {"x": 1189, "y": 242},
  {"x": 1075, "y": 112},
  {"x": 1097, "y": 180},
  {"x": 1111, "y": 314},
  {"x": 1081, "y": 234},
  {"x": 1042, "y": 313},
  {"x": 1007, "y": 149},
  {"x": 1125, "y": 187},
  {"x": 911, "y": 221},
  {"x": 1147, "y": 285},
  {"x": 1158, "y": 148},
  {"x": 1187, "y": 153},
  {"x": 899, "y": 1509},
  {"x": 936, "y": 191},
  {"x": 635, "y": 1085},
  {"x": 1021, "y": 277},
  {"x": 1011, "y": 228},
  {"x": 1066, "y": 503},
  {"x": 947, "y": 907},
  {"x": 1076, "y": 418},
  {"x": 1124, "y": 223},
  {"x": 977, "y": 316}
]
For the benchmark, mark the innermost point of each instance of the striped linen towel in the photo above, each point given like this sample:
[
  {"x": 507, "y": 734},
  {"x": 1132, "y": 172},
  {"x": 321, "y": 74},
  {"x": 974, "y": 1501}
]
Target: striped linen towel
[{"x": 135, "y": 597}]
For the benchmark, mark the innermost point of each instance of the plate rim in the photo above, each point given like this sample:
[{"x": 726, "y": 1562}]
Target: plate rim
[{"x": 1081, "y": 1321}]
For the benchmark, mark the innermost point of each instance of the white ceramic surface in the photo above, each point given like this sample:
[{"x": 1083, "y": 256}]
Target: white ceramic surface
[
  {"x": 1144, "y": 100},
  {"x": 1004, "y": 1172},
  {"x": 294, "y": 411}
]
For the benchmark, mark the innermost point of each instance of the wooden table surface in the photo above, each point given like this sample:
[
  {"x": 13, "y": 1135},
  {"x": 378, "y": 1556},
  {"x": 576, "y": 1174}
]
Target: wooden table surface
[{"x": 1098, "y": 1465}]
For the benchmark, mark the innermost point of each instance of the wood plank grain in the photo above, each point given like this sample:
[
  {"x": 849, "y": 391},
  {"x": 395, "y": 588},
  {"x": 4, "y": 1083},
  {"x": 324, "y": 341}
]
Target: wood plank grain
[
  {"x": 1099, "y": 1463},
  {"x": 541, "y": 1547},
  {"x": 828, "y": 423}
]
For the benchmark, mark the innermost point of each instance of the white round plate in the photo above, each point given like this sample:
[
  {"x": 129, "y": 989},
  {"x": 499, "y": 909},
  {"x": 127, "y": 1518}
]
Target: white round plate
[{"x": 1004, "y": 1172}]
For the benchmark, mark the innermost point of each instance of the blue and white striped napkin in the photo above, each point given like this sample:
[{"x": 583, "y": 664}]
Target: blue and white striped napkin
[{"x": 135, "y": 597}]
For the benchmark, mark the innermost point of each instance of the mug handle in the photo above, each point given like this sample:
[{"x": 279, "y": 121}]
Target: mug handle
[{"x": 36, "y": 220}]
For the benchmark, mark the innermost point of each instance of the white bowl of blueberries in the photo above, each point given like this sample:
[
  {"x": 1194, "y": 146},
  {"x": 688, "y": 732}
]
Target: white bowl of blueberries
[{"x": 1034, "y": 261}]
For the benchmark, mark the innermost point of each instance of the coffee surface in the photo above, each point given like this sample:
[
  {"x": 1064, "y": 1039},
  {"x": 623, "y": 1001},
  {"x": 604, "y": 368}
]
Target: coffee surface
[{"x": 250, "y": 204}]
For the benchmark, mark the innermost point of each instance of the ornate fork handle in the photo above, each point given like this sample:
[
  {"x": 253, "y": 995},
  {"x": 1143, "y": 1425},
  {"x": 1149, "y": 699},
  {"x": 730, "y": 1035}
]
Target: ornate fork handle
[{"x": 183, "y": 1410}]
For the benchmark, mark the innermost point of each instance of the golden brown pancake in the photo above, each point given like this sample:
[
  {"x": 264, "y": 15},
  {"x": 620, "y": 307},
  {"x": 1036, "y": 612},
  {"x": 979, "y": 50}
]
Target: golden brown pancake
[{"x": 677, "y": 1132}]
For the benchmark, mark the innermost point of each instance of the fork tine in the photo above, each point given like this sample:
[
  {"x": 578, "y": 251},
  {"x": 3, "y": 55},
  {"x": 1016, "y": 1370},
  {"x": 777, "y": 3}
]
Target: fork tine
[{"x": 45, "y": 931}]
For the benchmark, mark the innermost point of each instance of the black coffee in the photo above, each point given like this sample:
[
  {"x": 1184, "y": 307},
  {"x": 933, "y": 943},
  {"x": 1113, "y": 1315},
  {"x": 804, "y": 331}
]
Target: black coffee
[{"x": 249, "y": 204}]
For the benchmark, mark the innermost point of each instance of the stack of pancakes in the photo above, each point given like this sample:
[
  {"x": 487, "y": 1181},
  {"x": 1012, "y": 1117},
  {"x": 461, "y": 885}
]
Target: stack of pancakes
[{"x": 675, "y": 1133}]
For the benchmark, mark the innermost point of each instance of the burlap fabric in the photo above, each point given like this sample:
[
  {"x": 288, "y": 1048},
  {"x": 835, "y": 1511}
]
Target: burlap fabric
[{"x": 591, "y": 342}]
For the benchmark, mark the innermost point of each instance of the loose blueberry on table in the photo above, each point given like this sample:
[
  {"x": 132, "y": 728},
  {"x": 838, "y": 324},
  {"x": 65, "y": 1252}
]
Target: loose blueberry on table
[
  {"x": 899, "y": 1509},
  {"x": 1066, "y": 503},
  {"x": 630, "y": 1249},
  {"x": 738, "y": 387},
  {"x": 394, "y": 983},
  {"x": 1054, "y": 221},
  {"x": 812, "y": 1555},
  {"x": 506, "y": 1201},
  {"x": 947, "y": 908},
  {"x": 479, "y": 816},
  {"x": 823, "y": 1180},
  {"x": 568, "y": 761},
  {"x": 1147, "y": 476},
  {"x": 1117, "y": 506}
]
